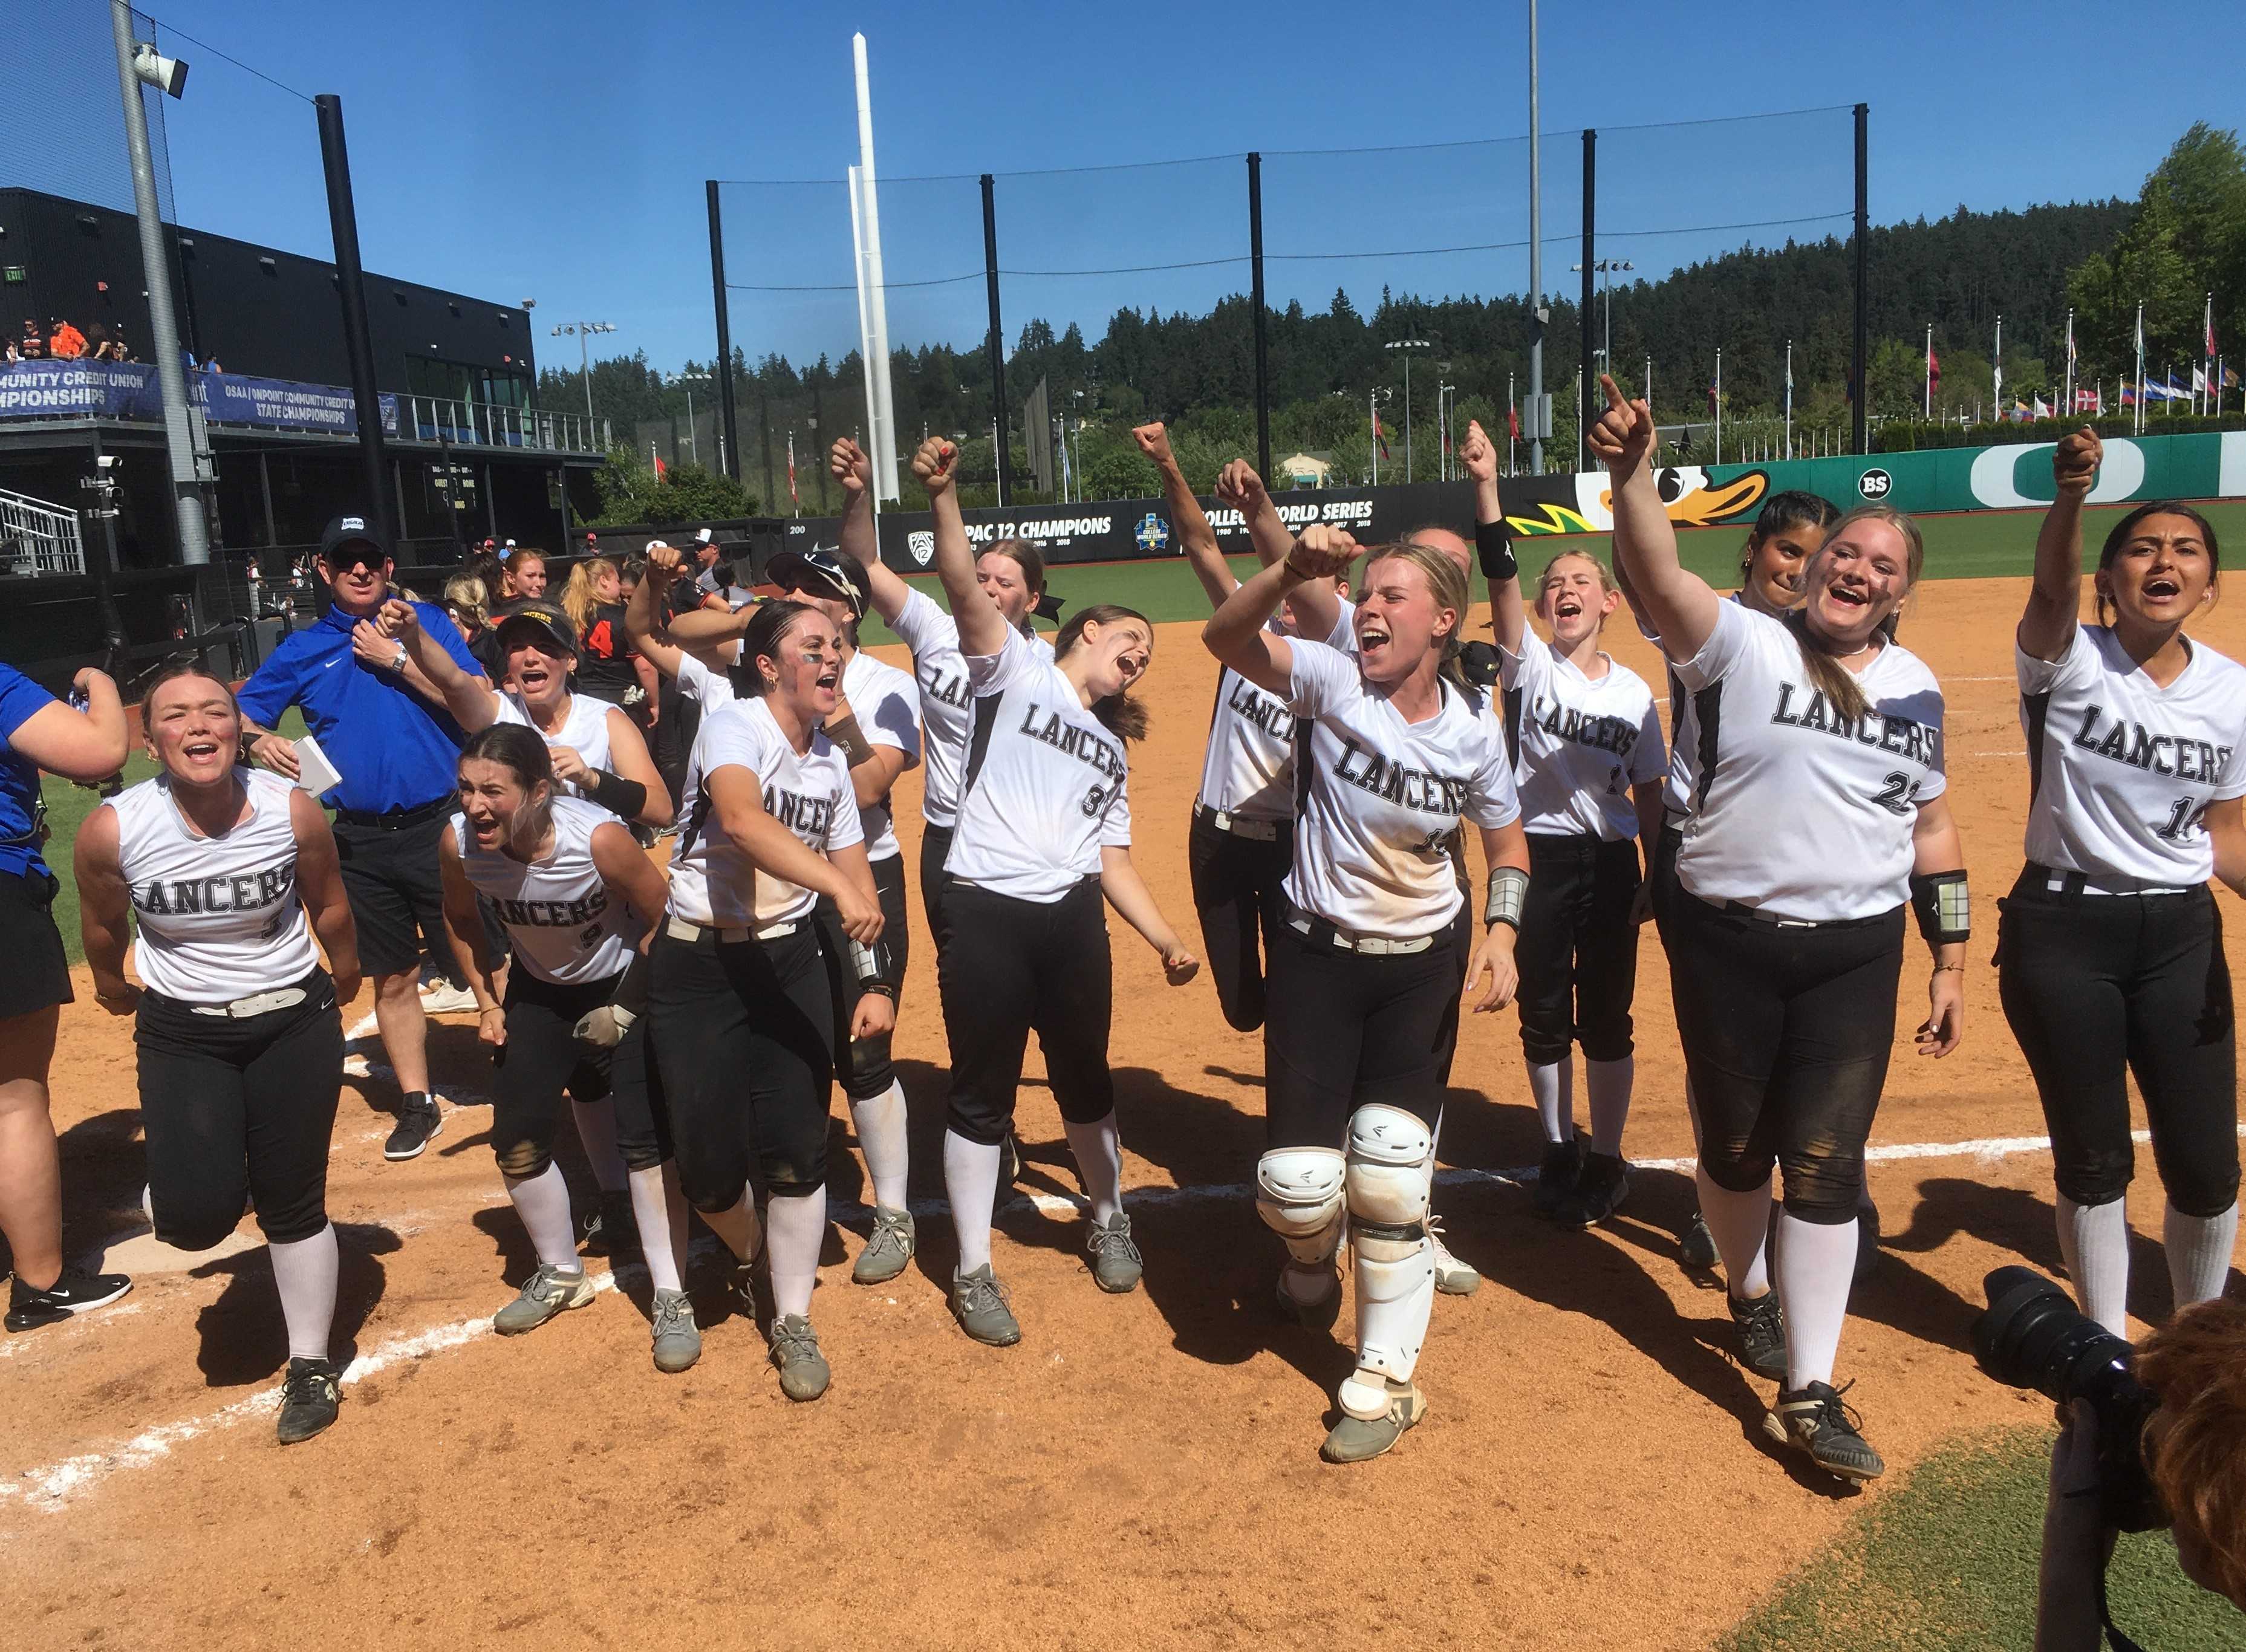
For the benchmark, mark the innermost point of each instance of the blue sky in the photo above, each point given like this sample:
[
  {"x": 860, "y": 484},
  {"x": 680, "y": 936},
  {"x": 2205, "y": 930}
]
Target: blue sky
[{"x": 557, "y": 150}]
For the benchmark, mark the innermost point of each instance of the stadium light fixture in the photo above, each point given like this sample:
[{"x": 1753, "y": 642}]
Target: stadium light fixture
[
  {"x": 1405, "y": 347},
  {"x": 583, "y": 331},
  {"x": 168, "y": 75}
]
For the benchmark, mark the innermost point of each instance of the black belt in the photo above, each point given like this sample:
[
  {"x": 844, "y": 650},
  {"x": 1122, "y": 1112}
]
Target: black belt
[
  {"x": 1582, "y": 846},
  {"x": 399, "y": 819},
  {"x": 1771, "y": 921},
  {"x": 1241, "y": 826}
]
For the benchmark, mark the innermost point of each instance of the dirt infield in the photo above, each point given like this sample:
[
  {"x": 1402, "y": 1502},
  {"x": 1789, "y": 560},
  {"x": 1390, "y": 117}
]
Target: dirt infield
[{"x": 1140, "y": 1471}]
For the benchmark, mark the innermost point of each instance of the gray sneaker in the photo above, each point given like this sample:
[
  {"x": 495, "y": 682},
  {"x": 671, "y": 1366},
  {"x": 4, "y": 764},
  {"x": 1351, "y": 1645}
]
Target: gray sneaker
[
  {"x": 677, "y": 1339},
  {"x": 1356, "y": 1439},
  {"x": 1452, "y": 1277},
  {"x": 548, "y": 1291},
  {"x": 979, "y": 1302},
  {"x": 889, "y": 1247},
  {"x": 803, "y": 1373},
  {"x": 1116, "y": 1264}
]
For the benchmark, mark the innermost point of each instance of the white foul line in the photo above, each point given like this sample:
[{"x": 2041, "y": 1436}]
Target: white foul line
[{"x": 51, "y": 1487}]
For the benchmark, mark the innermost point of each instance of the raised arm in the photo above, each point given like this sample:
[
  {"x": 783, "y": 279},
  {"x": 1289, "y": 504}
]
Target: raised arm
[
  {"x": 1315, "y": 608},
  {"x": 1195, "y": 537},
  {"x": 1235, "y": 632},
  {"x": 981, "y": 628},
  {"x": 473, "y": 704},
  {"x": 319, "y": 887},
  {"x": 1493, "y": 544},
  {"x": 2055, "y": 599},
  {"x": 1678, "y": 604},
  {"x": 630, "y": 765},
  {"x": 885, "y": 588},
  {"x": 85, "y": 746},
  {"x": 644, "y": 627}
]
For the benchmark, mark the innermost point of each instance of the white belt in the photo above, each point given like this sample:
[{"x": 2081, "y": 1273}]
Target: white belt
[
  {"x": 2062, "y": 883},
  {"x": 686, "y": 929},
  {"x": 1241, "y": 825},
  {"x": 1369, "y": 946},
  {"x": 257, "y": 1004}
]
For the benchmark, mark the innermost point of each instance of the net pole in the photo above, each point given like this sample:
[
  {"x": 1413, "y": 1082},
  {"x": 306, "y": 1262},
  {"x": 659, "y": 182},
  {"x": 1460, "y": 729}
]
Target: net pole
[
  {"x": 1003, "y": 457},
  {"x": 350, "y": 287},
  {"x": 725, "y": 341},
  {"x": 1863, "y": 274},
  {"x": 1263, "y": 338},
  {"x": 1538, "y": 421},
  {"x": 1589, "y": 381}
]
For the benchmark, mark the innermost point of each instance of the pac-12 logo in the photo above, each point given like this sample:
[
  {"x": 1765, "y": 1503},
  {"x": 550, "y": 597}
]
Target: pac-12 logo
[
  {"x": 1152, "y": 533},
  {"x": 1875, "y": 484},
  {"x": 921, "y": 543}
]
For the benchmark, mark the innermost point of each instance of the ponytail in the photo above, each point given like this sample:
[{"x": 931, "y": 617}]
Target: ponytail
[
  {"x": 1831, "y": 679},
  {"x": 1121, "y": 715}
]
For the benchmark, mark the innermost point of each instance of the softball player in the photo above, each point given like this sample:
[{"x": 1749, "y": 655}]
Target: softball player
[
  {"x": 1588, "y": 757},
  {"x": 1786, "y": 533},
  {"x": 875, "y": 724},
  {"x": 1399, "y": 751},
  {"x": 739, "y": 1012},
  {"x": 229, "y": 871},
  {"x": 576, "y": 898},
  {"x": 1044, "y": 831},
  {"x": 1820, "y": 816},
  {"x": 2110, "y": 948}
]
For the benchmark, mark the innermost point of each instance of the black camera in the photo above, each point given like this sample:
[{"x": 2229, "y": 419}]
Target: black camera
[{"x": 2034, "y": 1336}]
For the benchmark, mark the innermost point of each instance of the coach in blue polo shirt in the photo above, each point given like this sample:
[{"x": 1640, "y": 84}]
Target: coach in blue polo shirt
[{"x": 383, "y": 725}]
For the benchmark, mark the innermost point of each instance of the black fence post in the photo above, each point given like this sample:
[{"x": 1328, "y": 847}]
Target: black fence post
[
  {"x": 1589, "y": 398},
  {"x": 1262, "y": 338},
  {"x": 1863, "y": 276},
  {"x": 725, "y": 337},
  {"x": 350, "y": 284},
  {"x": 1003, "y": 457}
]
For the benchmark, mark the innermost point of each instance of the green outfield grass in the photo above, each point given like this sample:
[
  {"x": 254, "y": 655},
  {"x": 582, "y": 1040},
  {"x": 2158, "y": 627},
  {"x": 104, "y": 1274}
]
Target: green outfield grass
[
  {"x": 1982, "y": 545},
  {"x": 1946, "y": 1562}
]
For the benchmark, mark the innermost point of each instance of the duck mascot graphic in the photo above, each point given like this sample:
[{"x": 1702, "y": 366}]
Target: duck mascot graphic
[{"x": 1693, "y": 501}]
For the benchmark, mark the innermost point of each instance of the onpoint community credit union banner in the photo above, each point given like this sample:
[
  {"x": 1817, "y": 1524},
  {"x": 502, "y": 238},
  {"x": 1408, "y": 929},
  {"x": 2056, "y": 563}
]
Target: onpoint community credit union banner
[{"x": 130, "y": 390}]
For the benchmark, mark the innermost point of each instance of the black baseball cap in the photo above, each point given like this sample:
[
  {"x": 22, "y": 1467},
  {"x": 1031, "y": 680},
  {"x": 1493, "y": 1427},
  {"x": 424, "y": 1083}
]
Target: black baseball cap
[
  {"x": 549, "y": 617},
  {"x": 828, "y": 573},
  {"x": 350, "y": 530}
]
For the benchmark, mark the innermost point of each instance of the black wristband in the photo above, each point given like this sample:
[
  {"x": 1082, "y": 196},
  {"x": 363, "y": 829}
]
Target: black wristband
[
  {"x": 615, "y": 793},
  {"x": 1494, "y": 544},
  {"x": 1942, "y": 907}
]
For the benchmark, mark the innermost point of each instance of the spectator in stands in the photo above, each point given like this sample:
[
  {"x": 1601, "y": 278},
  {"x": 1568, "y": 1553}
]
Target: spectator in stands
[
  {"x": 467, "y": 599},
  {"x": 66, "y": 344},
  {"x": 525, "y": 575},
  {"x": 105, "y": 348},
  {"x": 32, "y": 346},
  {"x": 381, "y": 723},
  {"x": 594, "y": 599}
]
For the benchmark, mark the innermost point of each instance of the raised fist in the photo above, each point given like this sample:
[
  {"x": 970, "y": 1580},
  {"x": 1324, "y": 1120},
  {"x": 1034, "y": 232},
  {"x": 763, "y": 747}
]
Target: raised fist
[
  {"x": 1154, "y": 441},
  {"x": 1322, "y": 553},
  {"x": 1623, "y": 433},
  {"x": 2074, "y": 463},
  {"x": 850, "y": 466},
  {"x": 1477, "y": 453},
  {"x": 932, "y": 465},
  {"x": 1240, "y": 488},
  {"x": 664, "y": 559},
  {"x": 397, "y": 621}
]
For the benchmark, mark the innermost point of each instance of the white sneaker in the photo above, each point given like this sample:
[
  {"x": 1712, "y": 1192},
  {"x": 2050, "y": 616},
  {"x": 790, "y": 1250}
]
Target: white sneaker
[
  {"x": 443, "y": 998},
  {"x": 1452, "y": 1277}
]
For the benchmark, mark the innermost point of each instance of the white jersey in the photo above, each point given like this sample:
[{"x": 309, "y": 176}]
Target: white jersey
[
  {"x": 1803, "y": 814},
  {"x": 218, "y": 918},
  {"x": 887, "y": 705},
  {"x": 1384, "y": 799},
  {"x": 1677, "y": 792},
  {"x": 708, "y": 688},
  {"x": 1578, "y": 744},
  {"x": 947, "y": 703},
  {"x": 2122, "y": 770},
  {"x": 1047, "y": 785},
  {"x": 1249, "y": 768},
  {"x": 584, "y": 729},
  {"x": 563, "y": 924},
  {"x": 712, "y": 881}
]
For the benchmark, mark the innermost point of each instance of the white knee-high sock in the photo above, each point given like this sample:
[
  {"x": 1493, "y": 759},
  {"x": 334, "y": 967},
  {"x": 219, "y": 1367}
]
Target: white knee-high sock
[
  {"x": 1816, "y": 1263},
  {"x": 660, "y": 1210},
  {"x": 970, "y": 1182},
  {"x": 542, "y": 1201},
  {"x": 305, "y": 1271},
  {"x": 1609, "y": 1084},
  {"x": 596, "y": 1128},
  {"x": 881, "y": 1125},
  {"x": 1553, "y": 1086},
  {"x": 1099, "y": 1150},
  {"x": 1740, "y": 1223},
  {"x": 2094, "y": 1242},
  {"x": 2199, "y": 1253},
  {"x": 737, "y": 1228},
  {"x": 795, "y": 1229}
]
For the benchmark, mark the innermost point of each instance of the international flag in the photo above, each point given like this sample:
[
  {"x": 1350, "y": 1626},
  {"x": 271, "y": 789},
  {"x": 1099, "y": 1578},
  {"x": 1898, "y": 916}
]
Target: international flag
[
  {"x": 2070, "y": 341},
  {"x": 1513, "y": 423},
  {"x": 2128, "y": 394},
  {"x": 1381, "y": 436},
  {"x": 2085, "y": 400},
  {"x": 1712, "y": 398},
  {"x": 793, "y": 497},
  {"x": 1933, "y": 365},
  {"x": 2211, "y": 327},
  {"x": 2230, "y": 379},
  {"x": 659, "y": 468},
  {"x": 2041, "y": 410},
  {"x": 2199, "y": 381}
]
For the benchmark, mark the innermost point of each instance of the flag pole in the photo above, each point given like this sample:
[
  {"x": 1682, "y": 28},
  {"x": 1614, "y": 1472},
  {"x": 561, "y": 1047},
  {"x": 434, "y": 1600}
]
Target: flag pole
[
  {"x": 1928, "y": 364},
  {"x": 1720, "y": 403},
  {"x": 2138, "y": 425}
]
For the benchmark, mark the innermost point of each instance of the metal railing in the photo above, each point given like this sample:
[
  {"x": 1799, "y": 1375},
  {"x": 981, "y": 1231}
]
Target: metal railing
[
  {"x": 432, "y": 418},
  {"x": 39, "y": 538}
]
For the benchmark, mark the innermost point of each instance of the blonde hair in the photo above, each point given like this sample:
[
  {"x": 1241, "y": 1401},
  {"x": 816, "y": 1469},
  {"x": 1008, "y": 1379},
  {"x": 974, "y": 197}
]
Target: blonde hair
[
  {"x": 467, "y": 591},
  {"x": 1833, "y": 680},
  {"x": 1448, "y": 580},
  {"x": 578, "y": 600}
]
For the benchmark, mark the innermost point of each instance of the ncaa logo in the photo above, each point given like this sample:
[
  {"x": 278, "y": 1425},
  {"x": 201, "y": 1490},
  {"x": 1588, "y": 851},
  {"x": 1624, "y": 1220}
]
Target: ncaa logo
[
  {"x": 1875, "y": 484},
  {"x": 921, "y": 543},
  {"x": 1152, "y": 533}
]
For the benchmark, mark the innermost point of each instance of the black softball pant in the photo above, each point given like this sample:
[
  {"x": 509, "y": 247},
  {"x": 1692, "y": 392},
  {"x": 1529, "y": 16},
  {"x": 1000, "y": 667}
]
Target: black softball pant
[
  {"x": 740, "y": 1033},
  {"x": 1579, "y": 949},
  {"x": 240, "y": 1111},
  {"x": 934, "y": 847},
  {"x": 2099, "y": 986},
  {"x": 1343, "y": 1031},
  {"x": 1012, "y": 967},
  {"x": 1238, "y": 890},
  {"x": 1787, "y": 1032},
  {"x": 543, "y": 1057},
  {"x": 1662, "y": 888},
  {"x": 865, "y": 1065}
]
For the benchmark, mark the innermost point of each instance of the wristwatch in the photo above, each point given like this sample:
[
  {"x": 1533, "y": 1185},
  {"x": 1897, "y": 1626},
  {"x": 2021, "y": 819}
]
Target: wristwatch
[{"x": 398, "y": 664}]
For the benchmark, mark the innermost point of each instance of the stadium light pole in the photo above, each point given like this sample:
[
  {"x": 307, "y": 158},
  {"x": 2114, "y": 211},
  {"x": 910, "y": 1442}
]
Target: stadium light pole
[
  {"x": 358, "y": 344},
  {"x": 584, "y": 331},
  {"x": 1586, "y": 380},
  {"x": 1406, "y": 346},
  {"x": 1538, "y": 313},
  {"x": 729, "y": 443},
  {"x": 1863, "y": 343},
  {"x": 693, "y": 443},
  {"x": 135, "y": 64}
]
